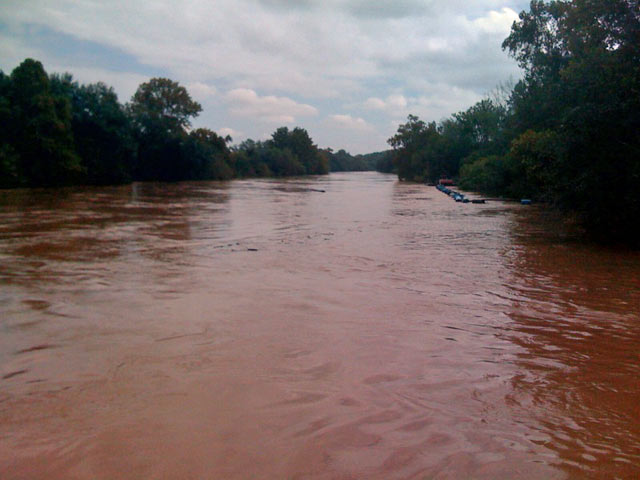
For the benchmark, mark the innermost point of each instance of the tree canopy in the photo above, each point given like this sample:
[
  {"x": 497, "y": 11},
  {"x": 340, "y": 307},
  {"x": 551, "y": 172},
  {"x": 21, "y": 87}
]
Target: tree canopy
[
  {"x": 163, "y": 104},
  {"x": 569, "y": 133},
  {"x": 38, "y": 147},
  {"x": 59, "y": 132},
  {"x": 287, "y": 153}
]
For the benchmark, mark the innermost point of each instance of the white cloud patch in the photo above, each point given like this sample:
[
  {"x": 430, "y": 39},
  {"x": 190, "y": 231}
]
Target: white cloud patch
[
  {"x": 442, "y": 100},
  {"x": 374, "y": 103},
  {"x": 395, "y": 103},
  {"x": 199, "y": 90},
  {"x": 224, "y": 131},
  {"x": 497, "y": 22},
  {"x": 245, "y": 102},
  {"x": 352, "y": 123}
]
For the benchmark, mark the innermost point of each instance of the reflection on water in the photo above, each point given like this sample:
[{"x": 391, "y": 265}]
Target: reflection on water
[
  {"x": 575, "y": 313},
  {"x": 334, "y": 327}
]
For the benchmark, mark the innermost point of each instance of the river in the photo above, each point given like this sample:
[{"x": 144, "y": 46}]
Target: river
[{"x": 338, "y": 327}]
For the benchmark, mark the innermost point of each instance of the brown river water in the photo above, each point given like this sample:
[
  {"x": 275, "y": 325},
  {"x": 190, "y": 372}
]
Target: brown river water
[{"x": 338, "y": 327}]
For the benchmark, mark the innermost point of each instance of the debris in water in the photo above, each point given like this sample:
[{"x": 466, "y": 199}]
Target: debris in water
[{"x": 13, "y": 374}]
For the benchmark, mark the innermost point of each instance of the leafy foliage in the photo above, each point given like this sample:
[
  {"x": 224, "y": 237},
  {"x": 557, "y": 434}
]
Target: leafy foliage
[
  {"x": 163, "y": 105},
  {"x": 59, "y": 132},
  {"x": 343, "y": 161},
  {"x": 161, "y": 112},
  {"x": 103, "y": 132},
  {"x": 582, "y": 83},
  {"x": 287, "y": 153},
  {"x": 427, "y": 152},
  {"x": 38, "y": 147},
  {"x": 570, "y": 131}
]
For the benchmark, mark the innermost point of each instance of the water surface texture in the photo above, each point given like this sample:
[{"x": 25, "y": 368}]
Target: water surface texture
[{"x": 340, "y": 327}]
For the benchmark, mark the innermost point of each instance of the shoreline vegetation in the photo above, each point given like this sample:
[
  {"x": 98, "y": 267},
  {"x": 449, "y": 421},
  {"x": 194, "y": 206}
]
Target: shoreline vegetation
[
  {"x": 567, "y": 133},
  {"x": 61, "y": 133}
]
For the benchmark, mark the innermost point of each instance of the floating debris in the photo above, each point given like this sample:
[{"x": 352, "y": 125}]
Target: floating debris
[{"x": 457, "y": 196}]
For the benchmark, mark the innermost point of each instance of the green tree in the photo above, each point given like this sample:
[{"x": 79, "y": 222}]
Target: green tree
[
  {"x": 303, "y": 149},
  {"x": 342, "y": 161},
  {"x": 383, "y": 161},
  {"x": 481, "y": 127},
  {"x": 40, "y": 145},
  {"x": 534, "y": 160},
  {"x": 409, "y": 144},
  {"x": 582, "y": 82},
  {"x": 486, "y": 174},
  {"x": 163, "y": 104},
  {"x": 205, "y": 156},
  {"x": 102, "y": 130},
  {"x": 282, "y": 162},
  {"x": 161, "y": 110},
  {"x": 426, "y": 152},
  {"x": 244, "y": 157},
  {"x": 9, "y": 159}
]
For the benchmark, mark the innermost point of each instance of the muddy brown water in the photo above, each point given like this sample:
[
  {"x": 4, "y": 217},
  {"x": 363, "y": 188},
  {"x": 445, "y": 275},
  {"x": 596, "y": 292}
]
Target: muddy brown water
[{"x": 269, "y": 329}]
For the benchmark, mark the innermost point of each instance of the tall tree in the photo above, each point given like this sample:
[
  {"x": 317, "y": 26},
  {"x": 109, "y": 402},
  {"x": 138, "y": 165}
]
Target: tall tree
[
  {"x": 163, "y": 103},
  {"x": 9, "y": 159},
  {"x": 102, "y": 130},
  {"x": 303, "y": 149},
  {"x": 161, "y": 110},
  {"x": 206, "y": 156},
  {"x": 418, "y": 152},
  {"x": 582, "y": 81},
  {"x": 40, "y": 129}
]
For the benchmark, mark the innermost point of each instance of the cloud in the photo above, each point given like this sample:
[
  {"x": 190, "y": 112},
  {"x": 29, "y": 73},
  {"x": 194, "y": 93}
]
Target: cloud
[
  {"x": 442, "y": 100},
  {"x": 384, "y": 9},
  {"x": 289, "y": 4},
  {"x": 199, "y": 90},
  {"x": 435, "y": 102},
  {"x": 375, "y": 104},
  {"x": 352, "y": 123},
  {"x": 224, "y": 131},
  {"x": 245, "y": 102},
  {"x": 319, "y": 49},
  {"x": 372, "y": 60},
  {"x": 394, "y": 104},
  {"x": 497, "y": 22},
  {"x": 13, "y": 50}
]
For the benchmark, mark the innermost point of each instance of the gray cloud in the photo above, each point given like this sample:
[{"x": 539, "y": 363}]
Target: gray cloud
[
  {"x": 383, "y": 9},
  {"x": 328, "y": 55},
  {"x": 290, "y": 4}
]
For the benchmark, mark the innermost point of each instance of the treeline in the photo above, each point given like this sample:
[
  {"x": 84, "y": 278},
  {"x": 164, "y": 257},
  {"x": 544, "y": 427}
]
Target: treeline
[
  {"x": 568, "y": 132},
  {"x": 342, "y": 161},
  {"x": 58, "y": 132},
  {"x": 287, "y": 153}
]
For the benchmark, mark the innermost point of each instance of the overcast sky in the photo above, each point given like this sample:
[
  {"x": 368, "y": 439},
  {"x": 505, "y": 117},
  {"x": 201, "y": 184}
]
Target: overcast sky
[{"x": 349, "y": 71}]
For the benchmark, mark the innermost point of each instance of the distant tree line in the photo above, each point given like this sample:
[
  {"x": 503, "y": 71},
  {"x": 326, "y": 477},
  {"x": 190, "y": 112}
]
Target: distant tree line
[
  {"x": 342, "y": 161},
  {"x": 568, "y": 133},
  {"x": 286, "y": 153},
  {"x": 58, "y": 132}
]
